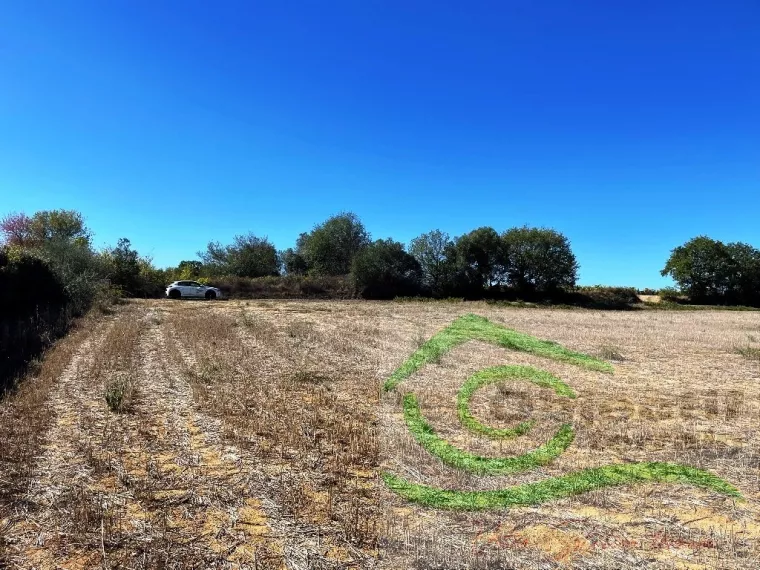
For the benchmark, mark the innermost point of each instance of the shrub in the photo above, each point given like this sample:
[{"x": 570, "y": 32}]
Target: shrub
[
  {"x": 35, "y": 310},
  {"x": 119, "y": 393},
  {"x": 286, "y": 287}
]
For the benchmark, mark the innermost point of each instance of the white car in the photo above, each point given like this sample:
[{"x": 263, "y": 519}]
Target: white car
[{"x": 192, "y": 290}]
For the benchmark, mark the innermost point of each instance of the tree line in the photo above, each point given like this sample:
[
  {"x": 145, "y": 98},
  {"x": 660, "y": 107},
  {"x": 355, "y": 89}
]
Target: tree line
[{"x": 529, "y": 262}]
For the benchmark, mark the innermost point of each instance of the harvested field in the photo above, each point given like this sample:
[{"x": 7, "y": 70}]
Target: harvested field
[{"x": 274, "y": 434}]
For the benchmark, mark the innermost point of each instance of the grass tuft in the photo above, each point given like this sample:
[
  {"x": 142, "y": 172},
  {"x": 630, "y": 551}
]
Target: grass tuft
[
  {"x": 609, "y": 352},
  {"x": 119, "y": 393},
  {"x": 749, "y": 352}
]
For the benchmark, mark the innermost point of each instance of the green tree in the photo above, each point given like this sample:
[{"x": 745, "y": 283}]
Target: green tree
[
  {"x": 189, "y": 269},
  {"x": 538, "y": 259},
  {"x": 479, "y": 258},
  {"x": 293, "y": 262},
  {"x": 123, "y": 268},
  {"x": 383, "y": 270},
  {"x": 708, "y": 270},
  {"x": 701, "y": 267},
  {"x": 434, "y": 251},
  {"x": 331, "y": 246},
  {"x": 744, "y": 279},
  {"x": 247, "y": 256}
]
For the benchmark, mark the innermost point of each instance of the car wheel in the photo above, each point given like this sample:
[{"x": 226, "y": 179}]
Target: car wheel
[
  {"x": 210, "y": 295},
  {"x": 174, "y": 294}
]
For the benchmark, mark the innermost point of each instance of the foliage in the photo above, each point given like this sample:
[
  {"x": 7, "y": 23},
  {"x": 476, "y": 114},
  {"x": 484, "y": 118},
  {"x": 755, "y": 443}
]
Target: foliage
[
  {"x": 27, "y": 282},
  {"x": 293, "y": 262},
  {"x": 330, "y": 248},
  {"x": 479, "y": 258},
  {"x": 384, "y": 270},
  {"x": 709, "y": 271},
  {"x": 77, "y": 266},
  {"x": 286, "y": 287},
  {"x": 749, "y": 352},
  {"x": 44, "y": 227},
  {"x": 122, "y": 266},
  {"x": 538, "y": 259},
  {"x": 119, "y": 393},
  {"x": 247, "y": 256},
  {"x": 189, "y": 270},
  {"x": 34, "y": 310},
  {"x": 434, "y": 251}
]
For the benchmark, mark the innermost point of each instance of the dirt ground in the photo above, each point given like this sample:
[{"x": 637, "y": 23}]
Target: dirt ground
[{"x": 252, "y": 435}]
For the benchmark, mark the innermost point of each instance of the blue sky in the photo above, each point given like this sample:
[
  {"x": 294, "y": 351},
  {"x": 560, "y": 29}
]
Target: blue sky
[{"x": 629, "y": 126}]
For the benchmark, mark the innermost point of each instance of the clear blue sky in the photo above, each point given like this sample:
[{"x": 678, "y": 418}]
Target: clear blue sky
[{"x": 631, "y": 126}]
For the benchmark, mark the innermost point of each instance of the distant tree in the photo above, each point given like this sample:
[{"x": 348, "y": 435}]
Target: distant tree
[
  {"x": 744, "y": 279},
  {"x": 479, "y": 259},
  {"x": 189, "y": 269},
  {"x": 383, "y": 270},
  {"x": 434, "y": 251},
  {"x": 331, "y": 246},
  {"x": 708, "y": 270},
  {"x": 538, "y": 259},
  {"x": 701, "y": 267},
  {"x": 293, "y": 262},
  {"x": 123, "y": 268},
  {"x": 247, "y": 256}
]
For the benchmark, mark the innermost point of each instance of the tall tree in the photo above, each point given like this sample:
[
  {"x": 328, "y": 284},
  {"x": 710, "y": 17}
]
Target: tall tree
[
  {"x": 538, "y": 259},
  {"x": 123, "y": 267},
  {"x": 384, "y": 270},
  {"x": 293, "y": 262},
  {"x": 331, "y": 246},
  {"x": 434, "y": 252},
  {"x": 701, "y": 267},
  {"x": 708, "y": 270},
  {"x": 480, "y": 258}
]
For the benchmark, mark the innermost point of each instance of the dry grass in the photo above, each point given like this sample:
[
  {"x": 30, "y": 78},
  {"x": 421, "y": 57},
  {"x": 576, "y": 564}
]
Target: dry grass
[{"x": 257, "y": 431}]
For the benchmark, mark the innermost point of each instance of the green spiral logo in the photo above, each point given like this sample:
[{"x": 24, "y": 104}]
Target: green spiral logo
[{"x": 473, "y": 327}]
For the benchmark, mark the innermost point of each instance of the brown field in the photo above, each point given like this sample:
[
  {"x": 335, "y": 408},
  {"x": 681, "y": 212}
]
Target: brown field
[{"x": 252, "y": 435}]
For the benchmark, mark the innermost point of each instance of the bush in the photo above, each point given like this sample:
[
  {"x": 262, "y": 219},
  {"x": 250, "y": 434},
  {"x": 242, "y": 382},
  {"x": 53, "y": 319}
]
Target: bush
[
  {"x": 648, "y": 291},
  {"x": 285, "y": 287},
  {"x": 670, "y": 294},
  {"x": 35, "y": 311},
  {"x": 601, "y": 297}
]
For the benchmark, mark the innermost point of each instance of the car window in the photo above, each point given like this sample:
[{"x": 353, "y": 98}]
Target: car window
[
  {"x": 185, "y": 283},
  {"x": 194, "y": 284}
]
